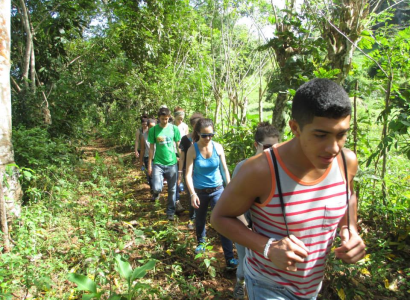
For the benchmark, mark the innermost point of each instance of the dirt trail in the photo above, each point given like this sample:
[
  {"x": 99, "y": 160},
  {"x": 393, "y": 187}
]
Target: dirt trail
[{"x": 134, "y": 184}]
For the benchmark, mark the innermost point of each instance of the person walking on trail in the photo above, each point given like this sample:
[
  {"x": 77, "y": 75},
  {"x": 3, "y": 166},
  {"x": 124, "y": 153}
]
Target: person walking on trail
[
  {"x": 165, "y": 138},
  {"x": 206, "y": 168},
  {"x": 266, "y": 136},
  {"x": 184, "y": 145},
  {"x": 179, "y": 115},
  {"x": 144, "y": 155},
  {"x": 299, "y": 193},
  {"x": 139, "y": 133}
]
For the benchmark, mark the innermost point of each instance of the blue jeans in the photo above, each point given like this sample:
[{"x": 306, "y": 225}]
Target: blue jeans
[
  {"x": 200, "y": 221},
  {"x": 191, "y": 208},
  {"x": 177, "y": 189},
  {"x": 241, "y": 259},
  {"x": 146, "y": 168},
  {"x": 170, "y": 174},
  {"x": 261, "y": 290}
]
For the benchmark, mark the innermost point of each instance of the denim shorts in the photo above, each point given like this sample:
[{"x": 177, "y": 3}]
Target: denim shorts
[{"x": 262, "y": 290}]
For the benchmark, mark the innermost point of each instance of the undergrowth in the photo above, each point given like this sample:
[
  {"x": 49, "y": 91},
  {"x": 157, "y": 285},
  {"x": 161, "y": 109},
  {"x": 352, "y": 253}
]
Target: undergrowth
[{"x": 87, "y": 227}]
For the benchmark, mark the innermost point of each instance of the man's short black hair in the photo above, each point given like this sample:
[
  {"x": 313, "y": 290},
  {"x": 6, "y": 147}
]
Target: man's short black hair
[
  {"x": 320, "y": 97},
  {"x": 265, "y": 130},
  {"x": 164, "y": 111}
]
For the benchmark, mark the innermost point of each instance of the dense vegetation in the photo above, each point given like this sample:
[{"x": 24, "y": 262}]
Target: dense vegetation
[{"x": 85, "y": 70}]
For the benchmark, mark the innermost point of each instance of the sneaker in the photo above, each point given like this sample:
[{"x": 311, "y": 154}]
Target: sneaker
[
  {"x": 165, "y": 182},
  {"x": 239, "y": 290},
  {"x": 170, "y": 217},
  {"x": 155, "y": 197},
  {"x": 200, "y": 249},
  {"x": 232, "y": 264},
  {"x": 190, "y": 226},
  {"x": 178, "y": 207}
]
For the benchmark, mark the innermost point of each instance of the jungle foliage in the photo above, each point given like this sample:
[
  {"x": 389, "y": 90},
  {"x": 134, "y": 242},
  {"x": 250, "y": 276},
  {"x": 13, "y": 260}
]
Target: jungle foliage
[{"x": 86, "y": 70}]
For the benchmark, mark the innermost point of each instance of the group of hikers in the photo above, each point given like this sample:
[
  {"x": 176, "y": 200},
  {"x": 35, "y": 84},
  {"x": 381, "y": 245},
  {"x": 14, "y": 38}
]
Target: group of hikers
[{"x": 282, "y": 207}]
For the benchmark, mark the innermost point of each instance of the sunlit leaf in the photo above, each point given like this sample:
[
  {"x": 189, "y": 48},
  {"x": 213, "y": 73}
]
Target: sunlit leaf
[
  {"x": 123, "y": 267},
  {"x": 141, "y": 271},
  {"x": 341, "y": 294},
  {"x": 83, "y": 282}
]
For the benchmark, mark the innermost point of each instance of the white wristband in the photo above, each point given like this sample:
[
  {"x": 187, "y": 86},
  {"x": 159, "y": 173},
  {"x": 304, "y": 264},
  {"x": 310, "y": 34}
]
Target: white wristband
[
  {"x": 193, "y": 194},
  {"x": 267, "y": 246}
]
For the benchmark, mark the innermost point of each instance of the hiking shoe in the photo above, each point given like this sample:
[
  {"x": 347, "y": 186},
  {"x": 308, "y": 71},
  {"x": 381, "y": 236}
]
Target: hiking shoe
[
  {"x": 190, "y": 226},
  {"x": 239, "y": 290},
  {"x": 200, "y": 249},
  {"x": 170, "y": 217},
  {"x": 232, "y": 264},
  {"x": 155, "y": 197},
  {"x": 178, "y": 207}
]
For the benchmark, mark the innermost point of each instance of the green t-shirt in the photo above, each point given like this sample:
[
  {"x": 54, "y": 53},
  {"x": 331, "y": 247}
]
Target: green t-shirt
[{"x": 164, "y": 139}]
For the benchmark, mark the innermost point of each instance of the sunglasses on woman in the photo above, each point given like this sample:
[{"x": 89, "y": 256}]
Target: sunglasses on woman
[
  {"x": 265, "y": 146},
  {"x": 205, "y": 135}
]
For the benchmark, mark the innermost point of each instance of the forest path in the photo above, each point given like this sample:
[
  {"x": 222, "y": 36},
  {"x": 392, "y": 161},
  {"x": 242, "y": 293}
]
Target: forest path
[{"x": 173, "y": 244}]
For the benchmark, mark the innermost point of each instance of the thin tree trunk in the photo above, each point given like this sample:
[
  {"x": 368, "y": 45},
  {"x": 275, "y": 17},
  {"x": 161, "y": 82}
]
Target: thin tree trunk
[
  {"x": 32, "y": 69},
  {"x": 6, "y": 147},
  {"x": 260, "y": 104},
  {"x": 355, "y": 118},
  {"x": 29, "y": 43},
  {"x": 3, "y": 217},
  {"x": 277, "y": 116},
  {"x": 384, "y": 135}
]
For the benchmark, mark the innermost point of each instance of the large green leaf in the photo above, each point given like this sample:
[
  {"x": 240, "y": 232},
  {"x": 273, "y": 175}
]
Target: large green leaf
[
  {"x": 116, "y": 297},
  {"x": 141, "y": 271},
  {"x": 123, "y": 267},
  {"x": 83, "y": 282}
]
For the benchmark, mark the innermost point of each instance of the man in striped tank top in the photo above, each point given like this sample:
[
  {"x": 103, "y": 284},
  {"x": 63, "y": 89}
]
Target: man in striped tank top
[{"x": 297, "y": 194}]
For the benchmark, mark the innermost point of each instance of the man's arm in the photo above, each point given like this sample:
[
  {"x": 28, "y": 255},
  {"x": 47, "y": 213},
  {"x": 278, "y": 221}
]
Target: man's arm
[
  {"x": 181, "y": 165},
  {"x": 137, "y": 140},
  {"x": 150, "y": 157},
  {"x": 225, "y": 167},
  {"x": 188, "y": 177},
  {"x": 353, "y": 247},
  {"x": 254, "y": 181}
]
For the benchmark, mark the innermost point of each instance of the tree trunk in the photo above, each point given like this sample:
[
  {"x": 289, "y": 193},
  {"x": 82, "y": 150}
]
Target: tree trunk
[
  {"x": 384, "y": 135},
  {"x": 3, "y": 217},
  {"x": 278, "y": 119},
  {"x": 260, "y": 105},
  {"x": 29, "y": 43},
  {"x": 355, "y": 118},
  {"x": 217, "y": 107},
  {"x": 11, "y": 191}
]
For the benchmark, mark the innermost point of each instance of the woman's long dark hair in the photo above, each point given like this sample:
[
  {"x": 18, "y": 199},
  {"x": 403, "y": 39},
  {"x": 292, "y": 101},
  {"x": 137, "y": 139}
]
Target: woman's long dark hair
[{"x": 202, "y": 123}]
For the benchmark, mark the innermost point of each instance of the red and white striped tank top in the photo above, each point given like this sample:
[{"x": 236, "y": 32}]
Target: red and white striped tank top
[{"x": 313, "y": 211}]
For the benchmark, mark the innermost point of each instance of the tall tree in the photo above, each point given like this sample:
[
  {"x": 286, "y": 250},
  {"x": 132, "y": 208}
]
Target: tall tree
[
  {"x": 297, "y": 49},
  {"x": 341, "y": 25},
  {"x": 11, "y": 190}
]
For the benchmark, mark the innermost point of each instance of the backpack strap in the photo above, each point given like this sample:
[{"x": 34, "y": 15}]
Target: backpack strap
[
  {"x": 282, "y": 204},
  {"x": 347, "y": 189}
]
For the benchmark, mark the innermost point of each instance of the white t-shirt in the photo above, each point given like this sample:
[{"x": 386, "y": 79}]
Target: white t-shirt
[{"x": 183, "y": 129}]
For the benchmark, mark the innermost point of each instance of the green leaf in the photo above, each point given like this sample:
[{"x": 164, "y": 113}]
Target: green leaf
[
  {"x": 141, "y": 271},
  {"x": 116, "y": 297},
  {"x": 89, "y": 296},
  {"x": 123, "y": 267},
  {"x": 83, "y": 282},
  {"x": 140, "y": 286},
  {"x": 207, "y": 262},
  {"x": 212, "y": 272}
]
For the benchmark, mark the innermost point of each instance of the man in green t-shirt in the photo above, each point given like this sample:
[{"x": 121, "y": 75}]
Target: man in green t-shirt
[{"x": 165, "y": 137}]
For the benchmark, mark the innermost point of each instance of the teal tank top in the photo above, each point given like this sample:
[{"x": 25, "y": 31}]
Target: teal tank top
[{"x": 206, "y": 172}]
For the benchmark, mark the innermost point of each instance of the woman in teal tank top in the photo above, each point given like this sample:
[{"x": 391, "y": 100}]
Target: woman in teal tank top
[{"x": 204, "y": 181}]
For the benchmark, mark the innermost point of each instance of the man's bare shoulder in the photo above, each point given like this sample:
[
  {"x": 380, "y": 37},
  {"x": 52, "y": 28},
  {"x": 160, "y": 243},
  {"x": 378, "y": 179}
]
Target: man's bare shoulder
[
  {"x": 253, "y": 179},
  {"x": 351, "y": 161}
]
